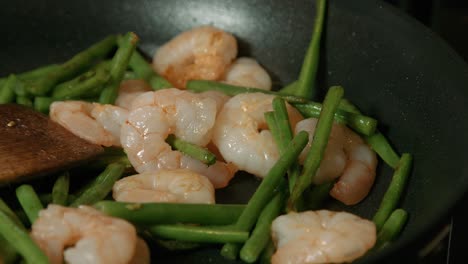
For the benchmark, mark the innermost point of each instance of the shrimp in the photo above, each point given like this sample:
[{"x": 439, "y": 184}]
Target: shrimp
[
  {"x": 155, "y": 115},
  {"x": 321, "y": 237},
  {"x": 247, "y": 72},
  {"x": 130, "y": 90},
  {"x": 96, "y": 123},
  {"x": 200, "y": 53},
  {"x": 346, "y": 157},
  {"x": 142, "y": 253},
  {"x": 83, "y": 235},
  {"x": 241, "y": 133},
  {"x": 175, "y": 186}
]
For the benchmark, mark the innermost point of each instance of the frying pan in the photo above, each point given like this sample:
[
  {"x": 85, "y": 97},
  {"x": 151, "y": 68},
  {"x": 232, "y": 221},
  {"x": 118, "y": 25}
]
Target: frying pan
[{"x": 392, "y": 67}]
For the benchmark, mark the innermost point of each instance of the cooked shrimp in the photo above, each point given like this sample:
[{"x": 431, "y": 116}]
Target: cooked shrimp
[
  {"x": 241, "y": 133},
  {"x": 200, "y": 53},
  {"x": 154, "y": 116},
  {"x": 247, "y": 72},
  {"x": 219, "y": 97},
  {"x": 321, "y": 237},
  {"x": 176, "y": 186},
  {"x": 130, "y": 90},
  {"x": 83, "y": 235},
  {"x": 96, "y": 123},
  {"x": 142, "y": 253},
  {"x": 346, "y": 157}
]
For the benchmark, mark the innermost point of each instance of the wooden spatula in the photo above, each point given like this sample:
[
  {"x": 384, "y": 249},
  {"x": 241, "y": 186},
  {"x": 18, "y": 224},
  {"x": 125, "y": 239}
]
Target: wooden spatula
[{"x": 33, "y": 145}]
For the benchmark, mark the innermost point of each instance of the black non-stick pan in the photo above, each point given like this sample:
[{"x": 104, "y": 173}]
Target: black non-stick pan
[{"x": 392, "y": 67}]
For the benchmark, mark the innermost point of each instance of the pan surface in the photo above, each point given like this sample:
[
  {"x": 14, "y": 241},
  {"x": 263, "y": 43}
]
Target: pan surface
[{"x": 393, "y": 68}]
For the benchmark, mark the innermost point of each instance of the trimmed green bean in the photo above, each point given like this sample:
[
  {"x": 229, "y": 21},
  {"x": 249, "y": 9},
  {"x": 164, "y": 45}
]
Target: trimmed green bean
[
  {"x": 395, "y": 190},
  {"x": 101, "y": 186},
  {"x": 231, "y": 90},
  {"x": 198, "y": 234},
  {"x": 362, "y": 124},
  {"x": 19, "y": 238},
  {"x": 72, "y": 67},
  {"x": 38, "y": 72},
  {"x": 317, "y": 149},
  {"x": 285, "y": 136},
  {"x": 176, "y": 245},
  {"x": 143, "y": 70},
  {"x": 266, "y": 190},
  {"x": 171, "y": 213},
  {"x": 84, "y": 85},
  {"x": 270, "y": 119},
  {"x": 377, "y": 141},
  {"x": 158, "y": 82},
  {"x": 265, "y": 258},
  {"x": 7, "y": 92},
  {"x": 199, "y": 153},
  {"x": 260, "y": 236},
  {"x": 23, "y": 100},
  {"x": 29, "y": 201},
  {"x": 60, "y": 189},
  {"x": 118, "y": 66},
  {"x": 8, "y": 253},
  {"x": 42, "y": 103},
  {"x": 282, "y": 121},
  {"x": 306, "y": 85},
  {"x": 392, "y": 228},
  {"x": 7, "y": 210},
  {"x": 46, "y": 198}
]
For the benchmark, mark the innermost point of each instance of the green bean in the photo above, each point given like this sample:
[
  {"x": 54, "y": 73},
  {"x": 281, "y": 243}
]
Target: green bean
[
  {"x": 171, "y": 213},
  {"x": 42, "y": 104},
  {"x": 101, "y": 186},
  {"x": 231, "y": 90},
  {"x": 176, "y": 245},
  {"x": 289, "y": 89},
  {"x": 8, "y": 253},
  {"x": 306, "y": 85},
  {"x": 199, "y": 153},
  {"x": 285, "y": 135},
  {"x": 377, "y": 141},
  {"x": 315, "y": 154},
  {"x": 198, "y": 234},
  {"x": 260, "y": 236},
  {"x": 72, "y": 67},
  {"x": 158, "y": 82},
  {"x": 129, "y": 75},
  {"x": 19, "y": 238},
  {"x": 265, "y": 191},
  {"x": 118, "y": 66},
  {"x": 7, "y": 93},
  {"x": 362, "y": 124},
  {"x": 269, "y": 250},
  {"x": 395, "y": 190},
  {"x": 29, "y": 201},
  {"x": 46, "y": 198},
  {"x": 85, "y": 85},
  {"x": 38, "y": 72},
  {"x": 143, "y": 70},
  {"x": 23, "y": 100},
  {"x": 20, "y": 88},
  {"x": 60, "y": 189},
  {"x": 392, "y": 228},
  {"x": 272, "y": 126},
  {"x": 7, "y": 210}
]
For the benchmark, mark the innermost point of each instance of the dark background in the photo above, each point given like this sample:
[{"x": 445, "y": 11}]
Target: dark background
[{"x": 449, "y": 19}]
